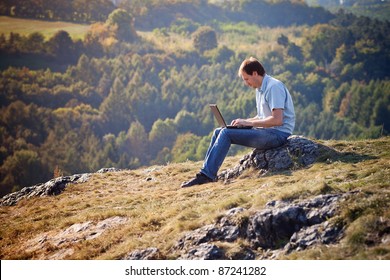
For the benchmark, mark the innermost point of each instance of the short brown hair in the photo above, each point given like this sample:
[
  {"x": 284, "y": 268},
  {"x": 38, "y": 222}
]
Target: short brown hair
[{"x": 251, "y": 65}]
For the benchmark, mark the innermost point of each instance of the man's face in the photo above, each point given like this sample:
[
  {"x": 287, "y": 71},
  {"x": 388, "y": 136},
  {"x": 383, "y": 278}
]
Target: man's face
[{"x": 253, "y": 81}]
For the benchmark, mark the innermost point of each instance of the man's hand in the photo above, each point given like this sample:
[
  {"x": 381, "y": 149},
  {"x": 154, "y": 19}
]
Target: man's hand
[
  {"x": 275, "y": 120},
  {"x": 241, "y": 122}
]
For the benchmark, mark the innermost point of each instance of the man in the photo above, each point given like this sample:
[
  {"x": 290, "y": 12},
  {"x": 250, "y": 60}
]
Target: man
[{"x": 273, "y": 124}]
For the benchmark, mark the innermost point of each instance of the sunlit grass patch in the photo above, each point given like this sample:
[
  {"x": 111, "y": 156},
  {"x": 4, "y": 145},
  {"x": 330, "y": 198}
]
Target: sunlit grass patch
[
  {"x": 159, "y": 212},
  {"x": 46, "y": 28}
]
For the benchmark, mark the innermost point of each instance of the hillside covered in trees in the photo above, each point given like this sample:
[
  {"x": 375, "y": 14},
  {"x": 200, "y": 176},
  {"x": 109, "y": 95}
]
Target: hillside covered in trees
[{"x": 134, "y": 91}]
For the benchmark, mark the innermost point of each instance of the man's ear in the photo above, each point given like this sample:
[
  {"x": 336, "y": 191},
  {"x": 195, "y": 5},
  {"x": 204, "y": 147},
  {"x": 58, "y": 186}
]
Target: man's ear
[{"x": 254, "y": 74}]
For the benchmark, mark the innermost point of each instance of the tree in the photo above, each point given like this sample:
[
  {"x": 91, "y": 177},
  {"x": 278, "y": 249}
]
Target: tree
[
  {"x": 205, "y": 38},
  {"x": 62, "y": 47},
  {"x": 115, "y": 109},
  {"x": 222, "y": 55},
  {"x": 185, "y": 121},
  {"x": 163, "y": 134},
  {"x": 185, "y": 147},
  {"x": 20, "y": 170},
  {"x": 123, "y": 25},
  {"x": 322, "y": 42},
  {"x": 35, "y": 42},
  {"x": 137, "y": 140},
  {"x": 283, "y": 40}
]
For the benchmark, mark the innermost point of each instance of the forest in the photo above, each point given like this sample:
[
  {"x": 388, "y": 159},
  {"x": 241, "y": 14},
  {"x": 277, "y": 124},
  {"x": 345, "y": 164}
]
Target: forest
[{"x": 135, "y": 90}]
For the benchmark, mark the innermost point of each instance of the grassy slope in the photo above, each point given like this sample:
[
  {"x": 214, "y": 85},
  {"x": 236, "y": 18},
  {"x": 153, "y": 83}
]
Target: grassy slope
[
  {"x": 160, "y": 212},
  {"x": 48, "y": 29}
]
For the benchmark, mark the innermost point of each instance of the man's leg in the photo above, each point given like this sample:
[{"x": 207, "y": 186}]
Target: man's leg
[
  {"x": 202, "y": 178},
  {"x": 254, "y": 138},
  {"x": 221, "y": 142},
  {"x": 219, "y": 147}
]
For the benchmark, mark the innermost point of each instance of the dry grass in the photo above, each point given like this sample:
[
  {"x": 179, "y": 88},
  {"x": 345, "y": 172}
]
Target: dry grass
[
  {"x": 159, "y": 212},
  {"x": 247, "y": 38},
  {"x": 46, "y": 28},
  {"x": 259, "y": 41},
  {"x": 170, "y": 43}
]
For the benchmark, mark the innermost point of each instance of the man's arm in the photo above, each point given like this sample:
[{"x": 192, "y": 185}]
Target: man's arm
[{"x": 276, "y": 119}]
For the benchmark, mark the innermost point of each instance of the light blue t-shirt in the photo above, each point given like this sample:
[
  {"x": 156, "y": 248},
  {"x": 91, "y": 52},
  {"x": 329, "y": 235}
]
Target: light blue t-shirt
[{"x": 273, "y": 94}]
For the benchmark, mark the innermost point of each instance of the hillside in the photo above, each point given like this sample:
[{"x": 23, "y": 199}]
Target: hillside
[
  {"x": 134, "y": 91},
  {"x": 113, "y": 214}
]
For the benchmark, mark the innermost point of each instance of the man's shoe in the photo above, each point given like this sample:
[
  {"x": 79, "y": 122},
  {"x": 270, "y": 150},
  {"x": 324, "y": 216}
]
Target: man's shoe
[{"x": 200, "y": 179}]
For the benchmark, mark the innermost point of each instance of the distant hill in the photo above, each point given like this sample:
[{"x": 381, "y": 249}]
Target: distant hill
[
  {"x": 378, "y": 9},
  {"x": 262, "y": 13},
  {"x": 133, "y": 214}
]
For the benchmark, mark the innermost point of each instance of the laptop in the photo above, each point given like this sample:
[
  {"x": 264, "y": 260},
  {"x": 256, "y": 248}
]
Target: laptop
[{"x": 221, "y": 120}]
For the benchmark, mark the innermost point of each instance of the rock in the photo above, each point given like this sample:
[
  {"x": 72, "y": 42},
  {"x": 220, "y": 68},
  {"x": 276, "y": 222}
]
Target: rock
[
  {"x": 110, "y": 169},
  {"x": 204, "y": 251},
  {"x": 53, "y": 187},
  {"x": 297, "y": 152},
  {"x": 146, "y": 254},
  {"x": 275, "y": 225},
  {"x": 323, "y": 233},
  {"x": 280, "y": 226},
  {"x": 64, "y": 239}
]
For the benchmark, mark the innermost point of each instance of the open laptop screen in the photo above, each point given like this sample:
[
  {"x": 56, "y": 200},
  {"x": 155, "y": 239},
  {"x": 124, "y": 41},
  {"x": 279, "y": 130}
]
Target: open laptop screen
[{"x": 221, "y": 120}]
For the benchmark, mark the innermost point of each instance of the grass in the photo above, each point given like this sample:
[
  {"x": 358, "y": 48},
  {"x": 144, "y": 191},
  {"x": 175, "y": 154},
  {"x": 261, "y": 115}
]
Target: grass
[
  {"x": 261, "y": 40},
  {"x": 159, "y": 212},
  {"x": 256, "y": 40},
  {"x": 46, "y": 28},
  {"x": 242, "y": 37}
]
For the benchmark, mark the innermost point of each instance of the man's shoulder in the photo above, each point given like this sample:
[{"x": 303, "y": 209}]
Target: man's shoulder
[
  {"x": 274, "y": 85},
  {"x": 271, "y": 81}
]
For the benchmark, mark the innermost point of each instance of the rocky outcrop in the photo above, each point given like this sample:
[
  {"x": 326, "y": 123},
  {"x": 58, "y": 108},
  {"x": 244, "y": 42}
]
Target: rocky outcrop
[
  {"x": 281, "y": 227},
  {"x": 64, "y": 240},
  {"x": 298, "y": 152},
  {"x": 52, "y": 187}
]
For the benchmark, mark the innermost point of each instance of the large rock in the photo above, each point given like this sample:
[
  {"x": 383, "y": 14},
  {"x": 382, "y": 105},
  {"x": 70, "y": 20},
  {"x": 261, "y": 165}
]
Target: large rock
[
  {"x": 53, "y": 187},
  {"x": 296, "y": 153},
  {"x": 280, "y": 227}
]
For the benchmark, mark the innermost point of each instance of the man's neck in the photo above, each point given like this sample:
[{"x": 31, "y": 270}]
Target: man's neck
[{"x": 261, "y": 78}]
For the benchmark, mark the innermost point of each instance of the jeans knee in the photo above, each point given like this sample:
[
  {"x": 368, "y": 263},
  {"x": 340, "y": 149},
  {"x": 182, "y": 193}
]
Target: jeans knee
[{"x": 217, "y": 131}]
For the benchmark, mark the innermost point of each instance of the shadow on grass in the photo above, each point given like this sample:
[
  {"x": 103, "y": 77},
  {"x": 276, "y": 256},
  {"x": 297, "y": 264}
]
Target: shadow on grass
[{"x": 328, "y": 154}]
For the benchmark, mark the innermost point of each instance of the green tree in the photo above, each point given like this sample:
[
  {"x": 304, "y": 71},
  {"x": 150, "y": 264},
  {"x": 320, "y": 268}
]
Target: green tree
[
  {"x": 123, "y": 25},
  {"x": 186, "y": 121},
  {"x": 115, "y": 109},
  {"x": 163, "y": 134},
  {"x": 22, "y": 169},
  {"x": 185, "y": 147},
  {"x": 35, "y": 42},
  {"x": 204, "y": 38},
  {"x": 62, "y": 47},
  {"x": 137, "y": 140}
]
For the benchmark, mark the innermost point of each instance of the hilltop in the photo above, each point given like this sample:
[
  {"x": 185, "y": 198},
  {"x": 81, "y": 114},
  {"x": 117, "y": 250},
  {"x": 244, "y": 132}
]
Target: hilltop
[{"x": 142, "y": 213}]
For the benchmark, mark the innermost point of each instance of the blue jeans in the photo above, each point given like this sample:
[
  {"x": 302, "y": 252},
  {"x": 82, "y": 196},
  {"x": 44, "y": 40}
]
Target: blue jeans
[{"x": 260, "y": 138}]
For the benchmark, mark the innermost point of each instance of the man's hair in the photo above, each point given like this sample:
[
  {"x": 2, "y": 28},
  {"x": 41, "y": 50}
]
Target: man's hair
[{"x": 251, "y": 65}]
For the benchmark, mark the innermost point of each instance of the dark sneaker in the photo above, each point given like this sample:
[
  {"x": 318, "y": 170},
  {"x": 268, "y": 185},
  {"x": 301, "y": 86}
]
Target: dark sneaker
[{"x": 200, "y": 179}]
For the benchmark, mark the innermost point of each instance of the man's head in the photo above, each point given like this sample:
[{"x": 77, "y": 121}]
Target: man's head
[{"x": 252, "y": 72}]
